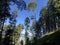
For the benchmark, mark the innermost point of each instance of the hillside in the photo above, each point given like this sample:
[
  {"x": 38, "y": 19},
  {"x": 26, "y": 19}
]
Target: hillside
[{"x": 52, "y": 39}]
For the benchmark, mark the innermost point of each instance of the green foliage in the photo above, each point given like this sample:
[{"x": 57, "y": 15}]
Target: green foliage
[
  {"x": 27, "y": 21},
  {"x": 34, "y": 24},
  {"x": 19, "y": 28},
  {"x": 32, "y": 6},
  {"x": 57, "y": 8},
  {"x": 43, "y": 11},
  {"x": 5, "y": 27}
]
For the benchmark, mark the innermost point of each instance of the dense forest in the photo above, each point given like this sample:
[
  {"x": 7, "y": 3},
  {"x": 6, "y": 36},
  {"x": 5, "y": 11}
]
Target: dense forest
[{"x": 45, "y": 30}]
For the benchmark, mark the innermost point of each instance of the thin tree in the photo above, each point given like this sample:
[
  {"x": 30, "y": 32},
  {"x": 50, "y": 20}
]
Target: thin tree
[{"x": 27, "y": 21}]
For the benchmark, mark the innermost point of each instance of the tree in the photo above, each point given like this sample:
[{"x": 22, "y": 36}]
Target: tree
[
  {"x": 57, "y": 11},
  {"x": 4, "y": 11},
  {"x": 27, "y": 21},
  {"x": 43, "y": 19},
  {"x": 11, "y": 29},
  {"x": 32, "y": 31},
  {"x": 19, "y": 28},
  {"x": 21, "y": 42},
  {"x": 53, "y": 9},
  {"x": 32, "y": 28},
  {"x": 32, "y": 6},
  {"x": 5, "y": 27}
]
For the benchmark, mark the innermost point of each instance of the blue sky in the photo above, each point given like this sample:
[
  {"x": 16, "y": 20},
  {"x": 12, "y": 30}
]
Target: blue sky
[{"x": 23, "y": 14}]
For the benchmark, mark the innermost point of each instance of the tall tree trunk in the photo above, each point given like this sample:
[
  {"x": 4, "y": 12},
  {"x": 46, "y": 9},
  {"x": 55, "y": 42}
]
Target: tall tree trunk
[{"x": 59, "y": 20}]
